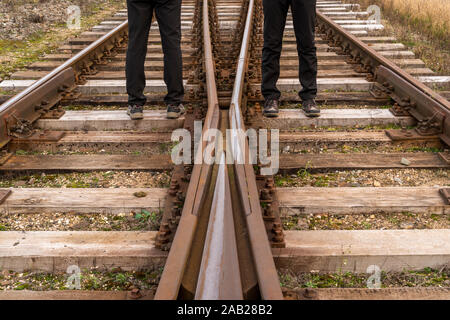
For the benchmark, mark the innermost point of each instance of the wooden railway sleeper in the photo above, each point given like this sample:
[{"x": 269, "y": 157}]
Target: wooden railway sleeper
[{"x": 55, "y": 113}]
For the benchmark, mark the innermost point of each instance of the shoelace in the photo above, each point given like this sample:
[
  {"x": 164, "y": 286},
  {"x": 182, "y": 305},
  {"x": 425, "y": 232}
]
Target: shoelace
[
  {"x": 271, "y": 106},
  {"x": 135, "y": 108},
  {"x": 310, "y": 105}
]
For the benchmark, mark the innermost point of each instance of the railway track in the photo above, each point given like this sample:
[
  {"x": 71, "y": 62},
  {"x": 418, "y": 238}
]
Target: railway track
[{"x": 224, "y": 228}]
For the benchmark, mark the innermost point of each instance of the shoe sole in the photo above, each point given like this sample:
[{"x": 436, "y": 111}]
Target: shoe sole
[
  {"x": 313, "y": 115},
  {"x": 271, "y": 115},
  {"x": 173, "y": 115},
  {"x": 136, "y": 116}
]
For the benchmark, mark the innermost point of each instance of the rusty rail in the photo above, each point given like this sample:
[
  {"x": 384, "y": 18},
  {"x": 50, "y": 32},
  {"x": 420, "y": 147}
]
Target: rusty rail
[
  {"x": 219, "y": 277},
  {"x": 28, "y": 105},
  {"x": 429, "y": 108},
  {"x": 268, "y": 282}
]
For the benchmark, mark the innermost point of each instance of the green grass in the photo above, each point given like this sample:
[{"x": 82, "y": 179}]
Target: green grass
[
  {"x": 25, "y": 52},
  {"x": 149, "y": 218},
  {"x": 281, "y": 181},
  {"x": 89, "y": 280}
]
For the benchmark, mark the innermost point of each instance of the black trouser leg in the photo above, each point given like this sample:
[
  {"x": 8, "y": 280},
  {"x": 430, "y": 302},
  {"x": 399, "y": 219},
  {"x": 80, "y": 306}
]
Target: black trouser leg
[
  {"x": 139, "y": 21},
  {"x": 304, "y": 16},
  {"x": 275, "y": 12},
  {"x": 168, "y": 15}
]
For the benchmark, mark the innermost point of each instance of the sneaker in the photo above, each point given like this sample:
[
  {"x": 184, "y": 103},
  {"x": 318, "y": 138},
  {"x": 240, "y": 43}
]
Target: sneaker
[
  {"x": 310, "y": 108},
  {"x": 271, "y": 108},
  {"x": 175, "y": 111},
  {"x": 135, "y": 112}
]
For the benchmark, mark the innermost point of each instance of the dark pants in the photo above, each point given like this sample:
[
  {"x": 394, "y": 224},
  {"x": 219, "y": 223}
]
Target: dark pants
[
  {"x": 168, "y": 15},
  {"x": 304, "y": 16}
]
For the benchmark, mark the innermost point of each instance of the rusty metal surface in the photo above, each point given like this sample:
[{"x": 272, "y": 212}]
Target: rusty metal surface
[
  {"x": 4, "y": 156},
  {"x": 445, "y": 156},
  {"x": 41, "y": 137},
  {"x": 399, "y": 135},
  {"x": 173, "y": 205},
  {"x": 269, "y": 286},
  {"x": 219, "y": 277},
  {"x": 55, "y": 113},
  {"x": 236, "y": 120},
  {"x": 212, "y": 115},
  {"x": 174, "y": 202},
  {"x": 445, "y": 193},
  {"x": 271, "y": 211}
]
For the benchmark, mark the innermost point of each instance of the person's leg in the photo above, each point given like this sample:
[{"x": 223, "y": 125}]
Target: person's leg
[
  {"x": 304, "y": 16},
  {"x": 275, "y": 12},
  {"x": 139, "y": 21},
  {"x": 168, "y": 14}
]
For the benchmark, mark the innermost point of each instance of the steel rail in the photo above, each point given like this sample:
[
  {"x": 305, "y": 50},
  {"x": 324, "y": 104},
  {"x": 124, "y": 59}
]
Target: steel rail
[
  {"x": 208, "y": 239},
  {"x": 212, "y": 114},
  {"x": 176, "y": 263},
  {"x": 219, "y": 277},
  {"x": 238, "y": 150},
  {"x": 268, "y": 282},
  {"x": 46, "y": 92}
]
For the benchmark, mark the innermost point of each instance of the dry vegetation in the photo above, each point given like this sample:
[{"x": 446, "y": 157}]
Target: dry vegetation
[
  {"x": 431, "y": 17},
  {"x": 408, "y": 278},
  {"x": 31, "y": 28},
  {"x": 424, "y": 25}
]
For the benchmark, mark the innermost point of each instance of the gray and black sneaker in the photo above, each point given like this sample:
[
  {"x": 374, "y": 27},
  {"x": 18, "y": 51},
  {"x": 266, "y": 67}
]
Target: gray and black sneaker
[
  {"x": 271, "y": 108},
  {"x": 174, "y": 111},
  {"x": 135, "y": 112},
  {"x": 310, "y": 108}
]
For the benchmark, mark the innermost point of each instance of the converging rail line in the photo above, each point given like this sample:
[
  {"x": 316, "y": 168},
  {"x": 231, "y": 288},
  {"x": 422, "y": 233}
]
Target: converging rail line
[
  {"x": 223, "y": 233},
  {"x": 215, "y": 257}
]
